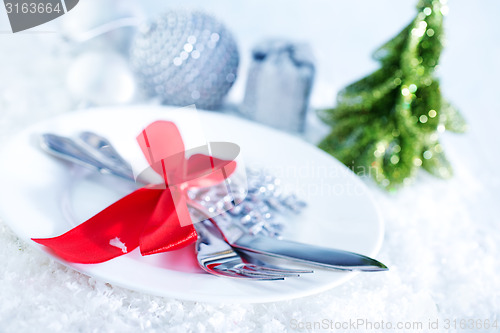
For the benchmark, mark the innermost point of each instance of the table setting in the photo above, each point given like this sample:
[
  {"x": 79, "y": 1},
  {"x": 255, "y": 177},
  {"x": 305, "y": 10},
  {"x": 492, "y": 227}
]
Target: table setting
[
  {"x": 181, "y": 169},
  {"x": 84, "y": 188}
]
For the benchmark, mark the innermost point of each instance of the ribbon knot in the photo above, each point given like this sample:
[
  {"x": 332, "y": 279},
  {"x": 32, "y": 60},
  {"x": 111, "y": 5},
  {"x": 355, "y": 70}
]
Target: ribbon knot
[{"x": 154, "y": 218}]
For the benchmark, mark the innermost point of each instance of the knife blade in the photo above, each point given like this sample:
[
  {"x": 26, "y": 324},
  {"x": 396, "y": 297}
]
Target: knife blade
[{"x": 299, "y": 252}]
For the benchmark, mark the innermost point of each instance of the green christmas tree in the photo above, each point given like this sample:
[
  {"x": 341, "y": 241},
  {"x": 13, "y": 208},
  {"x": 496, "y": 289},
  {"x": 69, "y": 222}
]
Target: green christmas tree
[{"x": 388, "y": 123}]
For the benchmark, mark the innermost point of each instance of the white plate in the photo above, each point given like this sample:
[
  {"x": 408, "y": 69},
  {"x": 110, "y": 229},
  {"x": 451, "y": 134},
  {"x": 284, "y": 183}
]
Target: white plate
[{"x": 340, "y": 213}]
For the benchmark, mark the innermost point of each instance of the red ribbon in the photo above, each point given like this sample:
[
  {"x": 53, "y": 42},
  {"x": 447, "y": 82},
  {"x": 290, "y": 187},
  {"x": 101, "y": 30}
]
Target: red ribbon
[{"x": 151, "y": 216}]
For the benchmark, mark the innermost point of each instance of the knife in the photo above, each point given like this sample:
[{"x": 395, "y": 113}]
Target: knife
[
  {"x": 233, "y": 234},
  {"x": 300, "y": 252}
]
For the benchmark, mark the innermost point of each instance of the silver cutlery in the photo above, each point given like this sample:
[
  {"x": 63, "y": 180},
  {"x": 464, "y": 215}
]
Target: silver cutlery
[
  {"x": 102, "y": 145},
  {"x": 70, "y": 150},
  {"x": 217, "y": 257},
  {"x": 239, "y": 238},
  {"x": 214, "y": 255},
  {"x": 309, "y": 254}
]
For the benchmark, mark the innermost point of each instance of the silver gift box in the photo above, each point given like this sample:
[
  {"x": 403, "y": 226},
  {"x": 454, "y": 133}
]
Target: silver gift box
[{"x": 279, "y": 84}]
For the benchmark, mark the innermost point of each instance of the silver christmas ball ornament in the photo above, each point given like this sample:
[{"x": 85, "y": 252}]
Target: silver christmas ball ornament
[{"x": 184, "y": 58}]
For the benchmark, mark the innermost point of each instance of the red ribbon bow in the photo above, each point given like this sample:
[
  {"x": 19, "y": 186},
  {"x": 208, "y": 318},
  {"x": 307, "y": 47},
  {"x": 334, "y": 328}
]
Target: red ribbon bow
[{"x": 155, "y": 218}]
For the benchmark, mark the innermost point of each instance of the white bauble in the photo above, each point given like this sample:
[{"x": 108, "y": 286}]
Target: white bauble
[{"x": 101, "y": 78}]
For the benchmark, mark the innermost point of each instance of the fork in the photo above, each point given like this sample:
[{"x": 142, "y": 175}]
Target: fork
[
  {"x": 214, "y": 254},
  {"x": 217, "y": 257}
]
